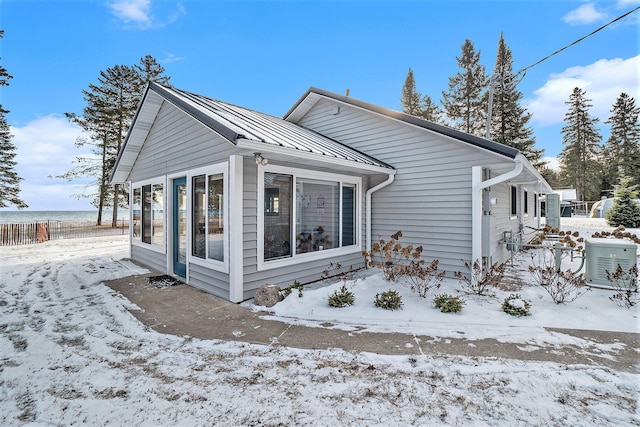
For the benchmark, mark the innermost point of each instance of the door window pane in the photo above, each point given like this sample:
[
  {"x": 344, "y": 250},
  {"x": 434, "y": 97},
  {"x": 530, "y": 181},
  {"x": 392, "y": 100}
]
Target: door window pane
[{"x": 277, "y": 215}]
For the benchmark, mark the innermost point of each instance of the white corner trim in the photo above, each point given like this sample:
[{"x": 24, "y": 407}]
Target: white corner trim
[{"x": 236, "y": 279}]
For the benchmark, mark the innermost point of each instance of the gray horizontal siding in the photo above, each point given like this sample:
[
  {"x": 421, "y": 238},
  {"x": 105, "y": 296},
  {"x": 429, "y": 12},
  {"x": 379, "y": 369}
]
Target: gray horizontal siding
[
  {"x": 430, "y": 199},
  {"x": 208, "y": 280},
  {"x": 177, "y": 143},
  {"x": 152, "y": 259}
]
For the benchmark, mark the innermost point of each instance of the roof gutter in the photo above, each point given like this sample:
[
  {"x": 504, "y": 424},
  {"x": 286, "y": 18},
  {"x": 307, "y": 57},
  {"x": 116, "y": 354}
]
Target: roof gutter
[
  {"x": 477, "y": 185},
  {"x": 368, "y": 206}
]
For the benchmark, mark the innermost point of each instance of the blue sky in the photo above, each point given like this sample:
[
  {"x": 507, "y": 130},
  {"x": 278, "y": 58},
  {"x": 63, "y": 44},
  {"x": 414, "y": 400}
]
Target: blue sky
[{"x": 265, "y": 54}]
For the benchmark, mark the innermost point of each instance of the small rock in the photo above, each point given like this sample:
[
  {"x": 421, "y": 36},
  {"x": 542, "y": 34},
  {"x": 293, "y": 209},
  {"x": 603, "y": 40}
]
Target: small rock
[{"x": 267, "y": 295}]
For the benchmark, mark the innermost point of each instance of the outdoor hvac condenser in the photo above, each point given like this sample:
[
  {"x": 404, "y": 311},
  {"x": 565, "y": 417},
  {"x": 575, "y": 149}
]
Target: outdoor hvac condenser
[{"x": 604, "y": 255}]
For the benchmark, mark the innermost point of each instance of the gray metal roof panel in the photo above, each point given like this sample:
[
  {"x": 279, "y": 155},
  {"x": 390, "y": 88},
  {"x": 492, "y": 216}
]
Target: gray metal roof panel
[{"x": 235, "y": 122}]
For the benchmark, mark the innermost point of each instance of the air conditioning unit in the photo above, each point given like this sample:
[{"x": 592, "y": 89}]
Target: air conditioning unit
[{"x": 604, "y": 255}]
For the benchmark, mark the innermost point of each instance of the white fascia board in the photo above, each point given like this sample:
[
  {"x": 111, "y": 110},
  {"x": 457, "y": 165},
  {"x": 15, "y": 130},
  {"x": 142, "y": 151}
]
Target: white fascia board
[{"x": 262, "y": 147}]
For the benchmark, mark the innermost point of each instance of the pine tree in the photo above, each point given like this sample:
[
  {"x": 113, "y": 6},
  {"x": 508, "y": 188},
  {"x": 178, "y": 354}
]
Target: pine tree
[
  {"x": 430, "y": 110},
  {"x": 579, "y": 165},
  {"x": 626, "y": 209},
  {"x": 622, "y": 150},
  {"x": 417, "y": 105},
  {"x": 150, "y": 71},
  {"x": 509, "y": 120},
  {"x": 465, "y": 104},
  {"x": 410, "y": 99},
  {"x": 9, "y": 179},
  {"x": 110, "y": 107}
]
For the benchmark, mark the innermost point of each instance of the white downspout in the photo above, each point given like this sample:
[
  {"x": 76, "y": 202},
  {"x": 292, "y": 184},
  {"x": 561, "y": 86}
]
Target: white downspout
[
  {"x": 368, "y": 207},
  {"x": 477, "y": 185}
]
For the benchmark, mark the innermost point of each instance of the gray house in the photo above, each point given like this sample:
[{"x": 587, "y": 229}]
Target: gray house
[{"x": 229, "y": 199}]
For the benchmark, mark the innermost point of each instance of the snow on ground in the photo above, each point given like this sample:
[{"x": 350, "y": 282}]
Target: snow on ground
[{"x": 70, "y": 353}]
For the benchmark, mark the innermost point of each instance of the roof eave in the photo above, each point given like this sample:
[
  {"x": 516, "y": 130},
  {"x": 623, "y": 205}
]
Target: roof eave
[{"x": 294, "y": 113}]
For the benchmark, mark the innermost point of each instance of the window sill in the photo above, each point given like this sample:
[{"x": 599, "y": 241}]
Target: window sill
[{"x": 306, "y": 257}]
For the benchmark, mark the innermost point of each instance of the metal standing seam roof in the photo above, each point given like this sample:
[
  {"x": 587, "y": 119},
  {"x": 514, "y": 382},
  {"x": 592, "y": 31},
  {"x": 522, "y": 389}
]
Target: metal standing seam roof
[{"x": 234, "y": 123}]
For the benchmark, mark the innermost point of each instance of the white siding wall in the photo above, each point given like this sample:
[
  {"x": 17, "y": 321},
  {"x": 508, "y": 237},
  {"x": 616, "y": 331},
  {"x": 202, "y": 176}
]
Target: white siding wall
[{"x": 430, "y": 199}]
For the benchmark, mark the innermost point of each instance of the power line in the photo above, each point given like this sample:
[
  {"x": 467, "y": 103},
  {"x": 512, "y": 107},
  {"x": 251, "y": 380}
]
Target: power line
[{"x": 523, "y": 71}]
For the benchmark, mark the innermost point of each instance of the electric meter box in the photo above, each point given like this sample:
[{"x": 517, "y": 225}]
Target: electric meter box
[
  {"x": 604, "y": 255},
  {"x": 552, "y": 210}
]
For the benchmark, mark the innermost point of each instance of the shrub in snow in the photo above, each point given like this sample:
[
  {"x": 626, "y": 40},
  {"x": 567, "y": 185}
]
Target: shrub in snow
[
  {"x": 448, "y": 303},
  {"x": 391, "y": 257},
  {"x": 618, "y": 233},
  {"x": 480, "y": 282},
  {"x": 342, "y": 297},
  {"x": 515, "y": 305},
  {"x": 626, "y": 285},
  {"x": 423, "y": 279},
  {"x": 335, "y": 272},
  {"x": 389, "y": 300},
  {"x": 295, "y": 285},
  {"x": 562, "y": 286}
]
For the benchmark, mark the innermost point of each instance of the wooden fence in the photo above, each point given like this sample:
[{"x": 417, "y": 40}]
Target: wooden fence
[{"x": 38, "y": 232}]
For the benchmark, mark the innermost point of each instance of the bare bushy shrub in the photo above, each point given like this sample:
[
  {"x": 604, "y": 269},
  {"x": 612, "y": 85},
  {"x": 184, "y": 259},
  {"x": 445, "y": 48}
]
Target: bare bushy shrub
[
  {"x": 562, "y": 286},
  {"x": 626, "y": 285},
  {"x": 424, "y": 278},
  {"x": 480, "y": 282}
]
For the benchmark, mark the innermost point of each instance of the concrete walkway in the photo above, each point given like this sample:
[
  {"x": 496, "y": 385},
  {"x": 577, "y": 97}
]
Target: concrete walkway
[{"x": 184, "y": 310}]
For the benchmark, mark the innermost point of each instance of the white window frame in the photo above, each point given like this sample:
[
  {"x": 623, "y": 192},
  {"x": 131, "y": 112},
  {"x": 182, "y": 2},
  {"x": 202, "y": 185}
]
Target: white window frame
[
  {"x": 161, "y": 248},
  {"x": 308, "y": 256},
  {"x": 219, "y": 168},
  {"x": 525, "y": 203}
]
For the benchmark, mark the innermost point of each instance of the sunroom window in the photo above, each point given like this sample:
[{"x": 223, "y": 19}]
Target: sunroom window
[
  {"x": 320, "y": 215},
  {"x": 148, "y": 214},
  {"x": 208, "y": 216}
]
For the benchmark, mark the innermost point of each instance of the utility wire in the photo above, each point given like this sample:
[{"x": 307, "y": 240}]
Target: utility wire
[{"x": 524, "y": 70}]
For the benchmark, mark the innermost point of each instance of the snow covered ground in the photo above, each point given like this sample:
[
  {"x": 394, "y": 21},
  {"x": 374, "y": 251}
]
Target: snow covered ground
[{"x": 71, "y": 353}]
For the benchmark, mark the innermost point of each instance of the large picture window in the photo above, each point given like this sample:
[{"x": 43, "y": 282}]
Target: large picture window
[
  {"x": 208, "y": 216},
  {"x": 148, "y": 214},
  {"x": 305, "y": 212}
]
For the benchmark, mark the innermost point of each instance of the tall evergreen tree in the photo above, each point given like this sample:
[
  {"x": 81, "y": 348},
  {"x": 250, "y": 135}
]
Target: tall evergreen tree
[
  {"x": 430, "y": 110},
  {"x": 622, "y": 149},
  {"x": 509, "y": 120},
  {"x": 410, "y": 100},
  {"x": 417, "y": 105},
  {"x": 150, "y": 71},
  {"x": 579, "y": 159},
  {"x": 9, "y": 179},
  {"x": 465, "y": 104},
  {"x": 110, "y": 107}
]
